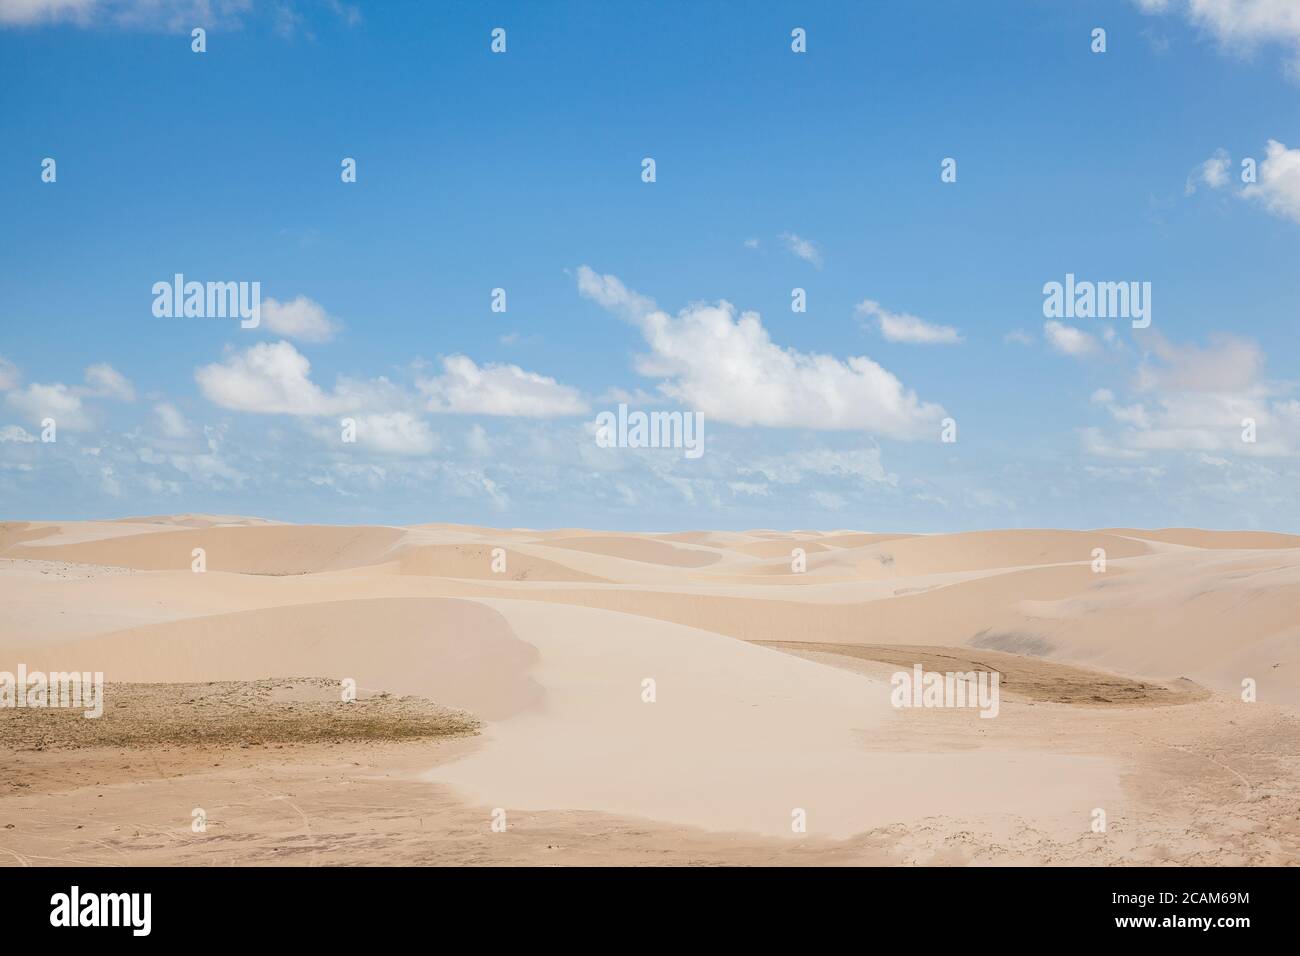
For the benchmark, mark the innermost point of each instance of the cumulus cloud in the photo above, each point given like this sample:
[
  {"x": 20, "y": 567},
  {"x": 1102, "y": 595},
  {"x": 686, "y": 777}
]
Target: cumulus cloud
[
  {"x": 1206, "y": 421},
  {"x": 467, "y": 388},
  {"x": 37, "y": 402},
  {"x": 65, "y": 403},
  {"x": 1278, "y": 185},
  {"x": 902, "y": 327},
  {"x": 610, "y": 292},
  {"x": 1192, "y": 398},
  {"x": 1213, "y": 172},
  {"x": 398, "y": 433},
  {"x": 300, "y": 318},
  {"x": 1068, "y": 340},
  {"x": 28, "y": 12},
  {"x": 714, "y": 360},
  {"x": 104, "y": 381},
  {"x": 804, "y": 249},
  {"x": 274, "y": 378},
  {"x": 1239, "y": 24},
  {"x": 170, "y": 15},
  {"x": 271, "y": 378}
]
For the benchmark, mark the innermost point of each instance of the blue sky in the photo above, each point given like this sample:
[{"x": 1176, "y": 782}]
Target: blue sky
[{"x": 774, "y": 170}]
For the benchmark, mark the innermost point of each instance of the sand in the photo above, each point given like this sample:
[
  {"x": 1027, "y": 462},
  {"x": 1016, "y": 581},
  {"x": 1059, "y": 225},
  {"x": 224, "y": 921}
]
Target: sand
[{"x": 619, "y": 698}]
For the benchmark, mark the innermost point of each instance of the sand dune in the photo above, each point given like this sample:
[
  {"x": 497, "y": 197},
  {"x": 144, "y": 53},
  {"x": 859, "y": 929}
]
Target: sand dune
[
  {"x": 477, "y": 561},
  {"x": 646, "y": 550},
  {"x": 459, "y": 653},
  {"x": 770, "y": 548},
  {"x": 1215, "y": 540},
  {"x": 257, "y": 549},
  {"x": 758, "y": 735},
  {"x": 197, "y": 520},
  {"x": 771, "y": 685}
]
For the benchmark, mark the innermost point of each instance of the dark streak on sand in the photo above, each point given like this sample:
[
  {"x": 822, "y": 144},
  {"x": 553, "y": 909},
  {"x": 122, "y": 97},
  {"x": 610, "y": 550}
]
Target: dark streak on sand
[{"x": 1031, "y": 678}]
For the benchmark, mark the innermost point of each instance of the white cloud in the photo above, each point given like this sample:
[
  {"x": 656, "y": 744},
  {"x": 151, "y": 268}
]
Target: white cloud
[
  {"x": 28, "y": 12},
  {"x": 10, "y": 377},
  {"x": 398, "y": 433},
  {"x": 1228, "y": 364},
  {"x": 1213, "y": 172},
  {"x": 1189, "y": 398},
  {"x": 1278, "y": 187},
  {"x": 1203, "y": 421},
  {"x": 174, "y": 15},
  {"x": 1239, "y": 24},
  {"x": 1070, "y": 341},
  {"x": 751, "y": 243},
  {"x": 804, "y": 249},
  {"x": 725, "y": 365},
  {"x": 104, "y": 381},
  {"x": 467, "y": 388},
  {"x": 210, "y": 469},
  {"x": 16, "y": 433},
  {"x": 300, "y": 318},
  {"x": 902, "y": 327},
  {"x": 170, "y": 421},
  {"x": 275, "y": 379},
  {"x": 37, "y": 402},
  {"x": 64, "y": 403},
  {"x": 609, "y": 291},
  {"x": 1135, "y": 415},
  {"x": 858, "y": 464},
  {"x": 271, "y": 378},
  {"x": 1018, "y": 337}
]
